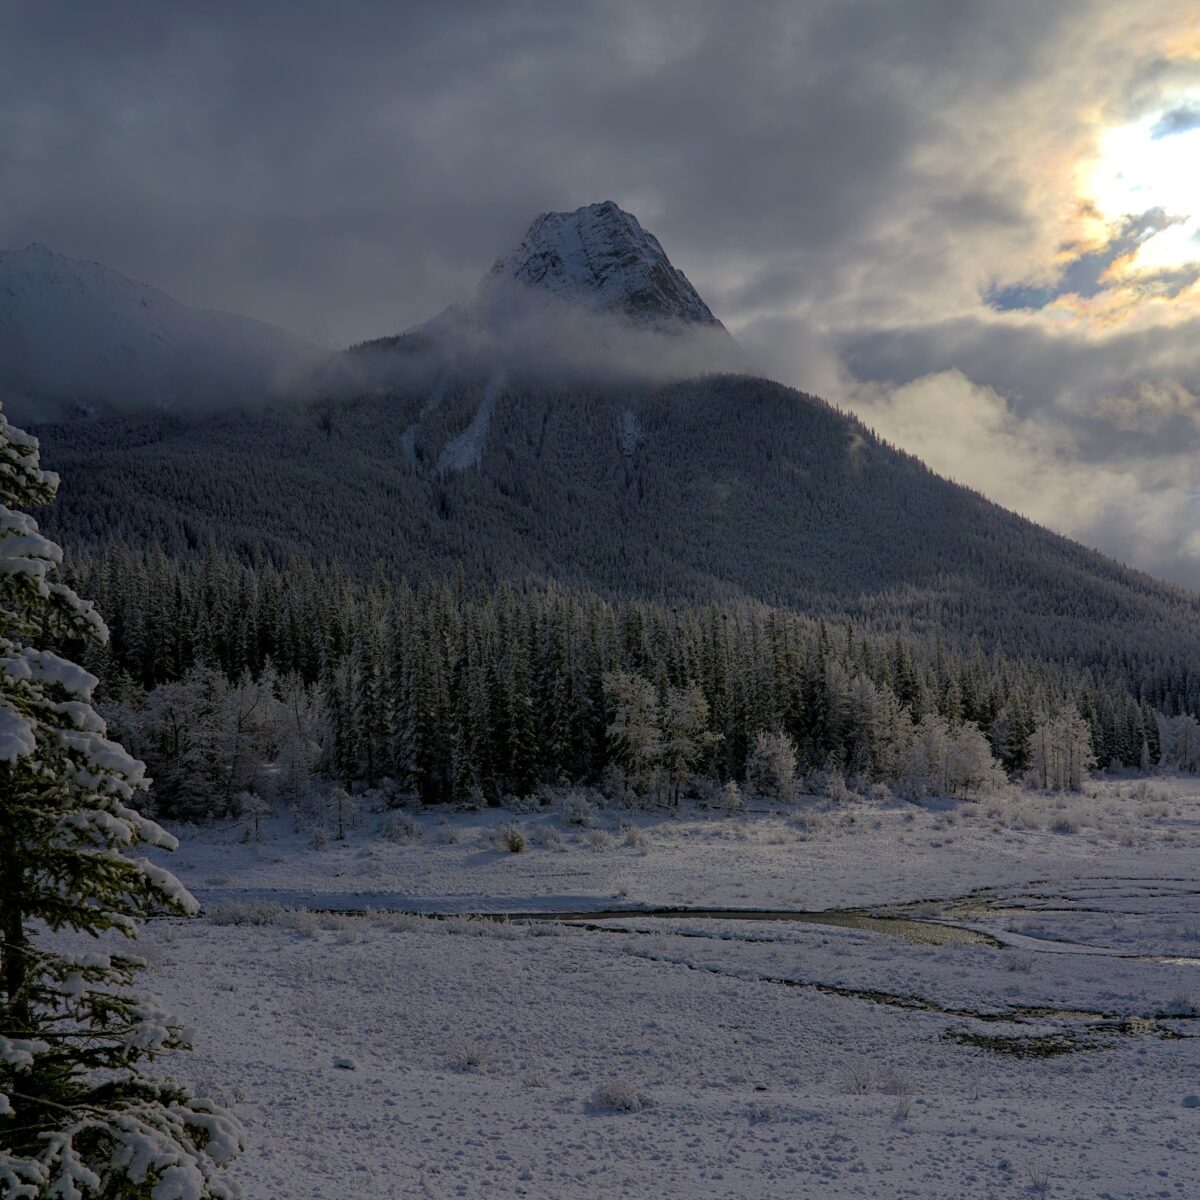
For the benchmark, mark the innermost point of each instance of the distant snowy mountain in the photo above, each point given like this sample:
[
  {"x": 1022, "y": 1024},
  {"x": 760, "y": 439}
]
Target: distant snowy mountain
[
  {"x": 77, "y": 337},
  {"x": 601, "y": 257},
  {"x": 589, "y": 289}
]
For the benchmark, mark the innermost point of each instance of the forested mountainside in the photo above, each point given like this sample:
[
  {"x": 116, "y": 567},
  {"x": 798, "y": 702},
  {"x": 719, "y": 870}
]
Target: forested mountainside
[{"x": 720, "y": 489}]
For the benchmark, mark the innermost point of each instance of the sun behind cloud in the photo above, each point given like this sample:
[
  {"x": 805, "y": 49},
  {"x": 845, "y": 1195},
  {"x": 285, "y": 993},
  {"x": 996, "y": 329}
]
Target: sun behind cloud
[
  {"x": 1152, "y": 166},
  {"x": 1131, "y": 252}
]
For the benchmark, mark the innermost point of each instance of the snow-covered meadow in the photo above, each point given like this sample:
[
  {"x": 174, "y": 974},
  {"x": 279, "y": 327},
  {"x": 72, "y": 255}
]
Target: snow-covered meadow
[{"x": 1030, "y": 1035}]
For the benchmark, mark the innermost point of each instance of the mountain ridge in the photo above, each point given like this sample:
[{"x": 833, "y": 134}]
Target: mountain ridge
[{"x": 77, "y": 338}]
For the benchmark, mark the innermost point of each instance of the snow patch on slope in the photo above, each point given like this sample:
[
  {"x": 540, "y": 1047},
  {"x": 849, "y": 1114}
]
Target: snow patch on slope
[
  {"x": 408, "y": 439},
  {"x": 631, "y": 433},
  {"x": 467, "y": 449}
]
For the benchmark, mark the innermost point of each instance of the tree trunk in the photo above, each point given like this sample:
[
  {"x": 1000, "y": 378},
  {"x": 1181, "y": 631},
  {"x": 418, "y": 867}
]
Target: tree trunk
[{"x": 14, "y": 943}]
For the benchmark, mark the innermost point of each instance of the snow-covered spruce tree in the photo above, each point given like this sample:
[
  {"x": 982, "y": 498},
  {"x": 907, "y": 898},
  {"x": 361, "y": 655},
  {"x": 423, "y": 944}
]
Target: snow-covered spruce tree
[{"x": 79, "y": 1117}]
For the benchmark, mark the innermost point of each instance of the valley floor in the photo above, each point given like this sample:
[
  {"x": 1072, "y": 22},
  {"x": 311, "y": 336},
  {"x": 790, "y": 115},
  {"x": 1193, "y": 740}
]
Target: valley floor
[{"x": 1041, "y": 1046}]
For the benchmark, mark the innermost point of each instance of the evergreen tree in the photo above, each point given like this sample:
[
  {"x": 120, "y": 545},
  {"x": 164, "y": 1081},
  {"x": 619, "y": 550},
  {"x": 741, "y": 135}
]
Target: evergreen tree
[
  {"x": 686, "y": 737},
  {"x": 634, "y": 728},
  {"x": 79, "y": 1117}
]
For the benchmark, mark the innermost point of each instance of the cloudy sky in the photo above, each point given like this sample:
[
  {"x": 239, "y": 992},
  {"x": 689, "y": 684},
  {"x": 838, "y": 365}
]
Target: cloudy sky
[{"x": 975, "y": 224}]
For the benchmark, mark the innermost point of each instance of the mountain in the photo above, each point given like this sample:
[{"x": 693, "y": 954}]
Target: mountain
[
  {"x": 727, "y": 488},
  {"x": 78, "y": 338},
  {"x": 590, "y": 292},
  {"x": 600, "y": 256},
  {"x": 493, "y": 460}
]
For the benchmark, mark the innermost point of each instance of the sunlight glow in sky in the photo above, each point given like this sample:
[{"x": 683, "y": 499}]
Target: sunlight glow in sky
[{"x": 1153, "y": 163}]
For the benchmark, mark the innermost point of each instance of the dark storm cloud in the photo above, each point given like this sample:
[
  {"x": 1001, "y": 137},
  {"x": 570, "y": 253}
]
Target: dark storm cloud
[
  {"x": 843, "y": 180},
  {"x": 349, "y": 170}
]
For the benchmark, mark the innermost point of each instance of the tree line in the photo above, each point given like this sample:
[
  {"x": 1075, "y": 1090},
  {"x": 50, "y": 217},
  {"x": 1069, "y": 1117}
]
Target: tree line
[{"x": 452, "y": 690}]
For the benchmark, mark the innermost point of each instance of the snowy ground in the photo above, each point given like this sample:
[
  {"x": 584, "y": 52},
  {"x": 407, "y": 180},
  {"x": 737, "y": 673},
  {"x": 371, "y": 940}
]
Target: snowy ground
[{"x": 684, "y": 1056}]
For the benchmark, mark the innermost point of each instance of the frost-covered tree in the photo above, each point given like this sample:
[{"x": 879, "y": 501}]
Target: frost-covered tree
[
  {"x": 772, "y": 764},
  {"x": 970, "y": 766},
  {"x": 634, "y": 728},
  {"x": 943, "y": 761},
  {"x": 1060, "y": 752},
  {"x": 685, "y": 735},
  {"x": 206, "y": 739},
  {"x": 1179, "y": 739},
  {"x": 79, "y": 1117},
  {"x": 303, "y": 736}
]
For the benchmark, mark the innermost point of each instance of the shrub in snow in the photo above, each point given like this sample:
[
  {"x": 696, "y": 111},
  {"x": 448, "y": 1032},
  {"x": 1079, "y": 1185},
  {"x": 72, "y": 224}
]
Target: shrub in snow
[
  {"x": 523, "y": 805},
  {"x": 895, "y": 1082},
  {"x": 1182, "y": 1004},
  {"x": 807, "y": 823},
  {"x": 301, "y": 920},
  {"x": 539, "y": 929},
  {"x": 858, "y": 1077},
  {"x": 482, "y": 927},
  {"x": 474, "y": 800},
  {"x": 576, "y": 810},
  {"x": 244, "y": 912},
  {"x": 80, "y": 1117},
  {"x": 615, "y": 786},
  {"x": 400, "y": 827},
  {"x": 880, "y": 793},
  {"x": 1039, "y": 1180},
  {"x": 731, "y": 798},
  {"x": 598, "y": 839},
  {"x": 547, "y": 837},
  {"x": 512, "y": 838},
  {"x": 446, "y": 835},
  {"x": 620, "y": 1097},
  {"x": 391, "y": 795},
  {"x": 468, "y": 1056},
  {"x": 837, "y": 791}
]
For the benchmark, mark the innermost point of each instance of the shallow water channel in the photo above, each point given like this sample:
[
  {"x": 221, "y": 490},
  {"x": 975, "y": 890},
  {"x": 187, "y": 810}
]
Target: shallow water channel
[{"x": 910, "y": 929}]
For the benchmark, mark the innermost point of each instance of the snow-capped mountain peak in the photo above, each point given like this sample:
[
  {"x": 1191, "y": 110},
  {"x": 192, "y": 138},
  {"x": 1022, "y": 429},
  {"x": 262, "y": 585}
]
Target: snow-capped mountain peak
[{"x": 601, "y": 257}]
